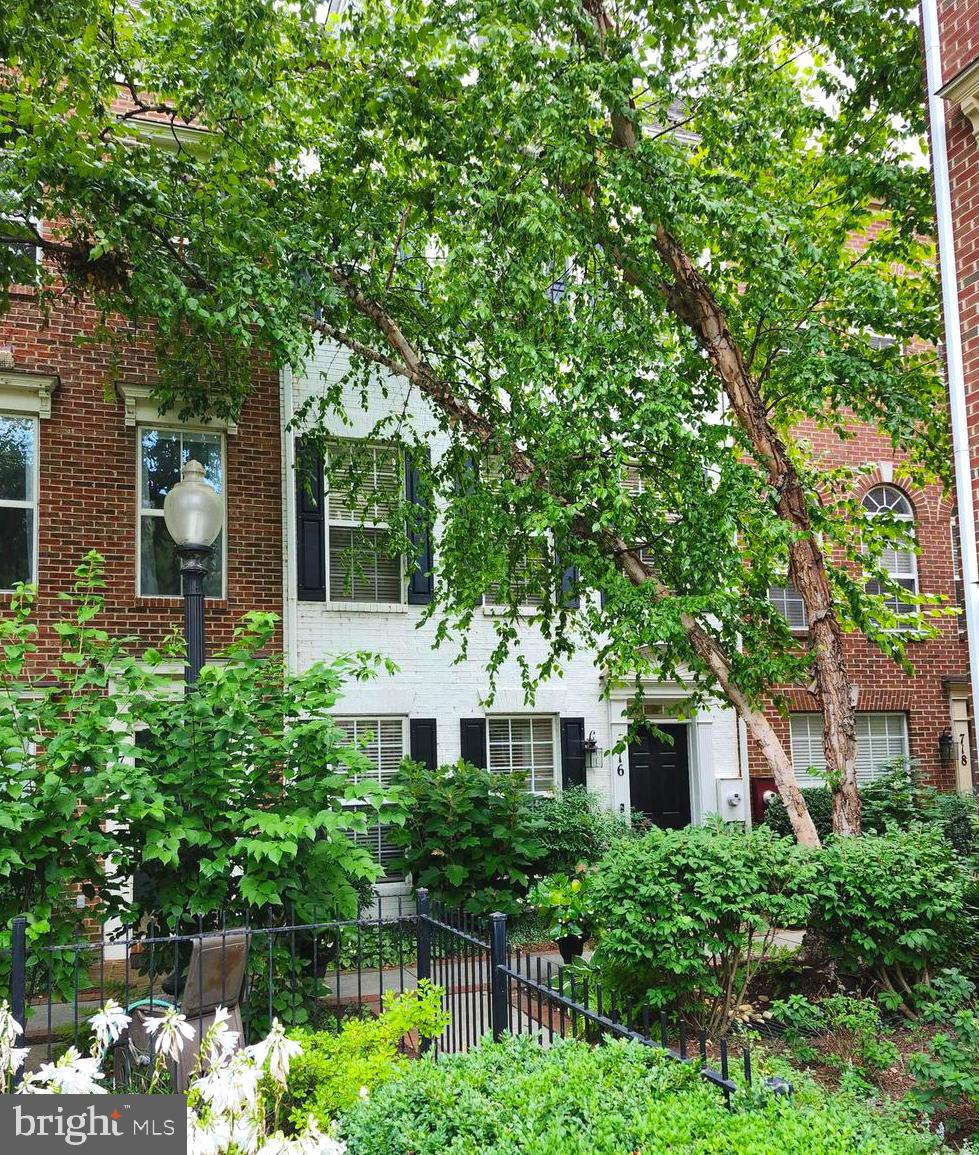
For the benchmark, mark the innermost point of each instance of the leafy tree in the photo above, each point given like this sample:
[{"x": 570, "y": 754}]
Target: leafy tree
[
  {"x": 240, "y": 795},
  {"x": 623, "y": 253}
]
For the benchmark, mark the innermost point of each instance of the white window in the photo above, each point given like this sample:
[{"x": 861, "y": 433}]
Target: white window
[
  {"x": 383, "y": 742},
  {"x": 898, "y": 558},
  {"x": 881, "y": 739},
  {"x": 18, "y": 500},
  {"x": 162, "y": 454},
  {"x": 788, "y": 601},
  {"x": 523, "y": 744},
  {"x": 528, "y": 578},
  {"x": 364, "y": 484}
]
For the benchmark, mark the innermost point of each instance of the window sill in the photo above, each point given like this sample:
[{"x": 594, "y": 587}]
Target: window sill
[{"x": 366, "y": 607}]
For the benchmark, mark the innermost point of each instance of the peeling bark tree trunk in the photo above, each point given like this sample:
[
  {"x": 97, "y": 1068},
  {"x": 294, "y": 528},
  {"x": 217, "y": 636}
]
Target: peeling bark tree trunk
[{"x": 690, "y": 298}]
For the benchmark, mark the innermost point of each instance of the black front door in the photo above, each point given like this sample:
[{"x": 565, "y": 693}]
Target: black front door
[{"x": 659, "y": 777}]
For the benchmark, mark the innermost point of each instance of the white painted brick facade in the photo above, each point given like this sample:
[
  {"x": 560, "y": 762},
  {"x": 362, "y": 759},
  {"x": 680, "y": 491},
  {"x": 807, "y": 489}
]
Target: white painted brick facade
[{"x": 428, "y": 685}]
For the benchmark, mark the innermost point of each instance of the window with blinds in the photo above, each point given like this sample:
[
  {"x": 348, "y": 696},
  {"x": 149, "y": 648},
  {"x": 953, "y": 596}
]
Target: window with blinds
[
  {"x": 365, "y": 482},
  {"x": 788, "y": 601},
  {"x": 528, "y": 576},
  {"x": 881, "y": 739},
  {"x": 524, "y": 745},
  {"x": 382, "y": 740},
  {"x": 898, "y": 558}
]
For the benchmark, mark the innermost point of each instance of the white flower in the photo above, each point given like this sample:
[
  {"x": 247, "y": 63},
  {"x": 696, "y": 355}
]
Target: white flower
[
  {"x": 201, "y": 1139},
  {"x": 363, "y": 1092},
  {"x": 17, "y": 1058},
  {"x": 275, "y": 1052},
  {"x": 108, "y": 1024},
  {"x": 10, "y": 1029},
  {"x": 229, "y": 1086},
  {"x": 72, "y": 1074},
  {"x": 171, "y": 1031},
  {"x": 314, "y": 1142},
  {"x": 220, "y": 1041}
]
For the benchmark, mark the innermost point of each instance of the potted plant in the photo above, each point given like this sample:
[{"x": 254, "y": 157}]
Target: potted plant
[{"x": 564, "y": 900}]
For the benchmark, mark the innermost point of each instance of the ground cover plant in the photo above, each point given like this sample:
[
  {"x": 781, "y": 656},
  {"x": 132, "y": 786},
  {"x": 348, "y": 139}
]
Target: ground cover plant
[{"x": 574, "y": 1099}]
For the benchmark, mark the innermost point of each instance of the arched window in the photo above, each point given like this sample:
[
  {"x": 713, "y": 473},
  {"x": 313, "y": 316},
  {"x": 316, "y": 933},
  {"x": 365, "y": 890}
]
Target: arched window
[{"x": 897, "y": 558}]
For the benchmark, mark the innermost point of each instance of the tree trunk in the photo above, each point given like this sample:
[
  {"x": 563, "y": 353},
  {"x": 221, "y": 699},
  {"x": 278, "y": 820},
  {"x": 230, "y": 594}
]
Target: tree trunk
[{"x": 691, "y": 300}]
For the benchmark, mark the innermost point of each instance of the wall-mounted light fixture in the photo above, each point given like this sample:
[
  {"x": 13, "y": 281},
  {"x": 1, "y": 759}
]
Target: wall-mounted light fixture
[
  {"x": 946, "y": 747},
  {"x": 593, "y": 755}
]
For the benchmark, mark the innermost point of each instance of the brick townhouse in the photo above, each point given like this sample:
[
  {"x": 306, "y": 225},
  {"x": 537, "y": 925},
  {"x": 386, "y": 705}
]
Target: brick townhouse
[{"x": 86, "y": 459}]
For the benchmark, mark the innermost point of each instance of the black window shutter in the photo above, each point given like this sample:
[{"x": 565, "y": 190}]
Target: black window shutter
[
  {"x": 419, "y": 535},
  {"x": 424, "y": 747},
  {"x": 310, "y": 524},
  {"x": 572, "y": 752},
  {"x": 473, "y": 736}
]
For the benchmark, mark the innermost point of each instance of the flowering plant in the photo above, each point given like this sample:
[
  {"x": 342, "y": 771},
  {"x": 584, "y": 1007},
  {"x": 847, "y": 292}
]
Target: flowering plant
[
  {"x": 565, "y": 901},
  {"x": 225, "y": 1113}
]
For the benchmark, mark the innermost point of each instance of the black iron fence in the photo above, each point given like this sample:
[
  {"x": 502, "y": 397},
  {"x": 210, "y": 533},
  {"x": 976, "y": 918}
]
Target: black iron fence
[{"x": 316, "y": 973}]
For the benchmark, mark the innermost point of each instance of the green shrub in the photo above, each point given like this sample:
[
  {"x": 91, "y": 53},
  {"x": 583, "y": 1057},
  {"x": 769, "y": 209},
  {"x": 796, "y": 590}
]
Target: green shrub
[
  {"x": 573, "y": 827},
  {"x": 896, "y": 798},
  {"x": 334, "y": 1066},
  {"x": 893, "y": 906},
  {"x": 683, "y": 914},
  {"x": 466, "y": 836},
  {"x": 572, "y": 1099},
  {"x": 566, "y": 903}
]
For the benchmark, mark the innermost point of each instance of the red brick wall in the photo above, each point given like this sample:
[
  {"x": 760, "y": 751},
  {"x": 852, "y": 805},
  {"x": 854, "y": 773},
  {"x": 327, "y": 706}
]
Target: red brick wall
[
  {"x": 88, "y": 476},
  {"x": 882, "y": 685}
]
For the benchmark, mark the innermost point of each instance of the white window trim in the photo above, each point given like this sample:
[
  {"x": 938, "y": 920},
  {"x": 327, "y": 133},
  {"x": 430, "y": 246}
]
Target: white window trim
[
  {"x": 805, "y": 779},
  {"x": 27, "y": 394},
  {"x": 555, "y": 786},
  {"x": 911, "y": 520},
  {"x": 141, "y": 409},
  {"x": 34, "y": 504},
  {"x": 165, "y": 428},
  {"x": 333, "y": 604},
  {"x": 384, "y": 880}
]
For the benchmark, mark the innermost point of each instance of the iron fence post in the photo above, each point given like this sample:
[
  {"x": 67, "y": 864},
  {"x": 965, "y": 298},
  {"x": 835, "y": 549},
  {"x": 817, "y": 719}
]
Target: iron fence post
[
  {"x": 18, "y": 976},
  {"x": 423, "y": 945},
  {"x": 499, "y": 983},
  {"x": 423, "y": 936}
]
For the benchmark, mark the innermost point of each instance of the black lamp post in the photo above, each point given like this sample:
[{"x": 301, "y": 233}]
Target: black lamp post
[{"x": 193, "y": 513}]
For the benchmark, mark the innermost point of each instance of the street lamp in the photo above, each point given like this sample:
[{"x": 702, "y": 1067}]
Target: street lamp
[{"x": 193, "y": 513}]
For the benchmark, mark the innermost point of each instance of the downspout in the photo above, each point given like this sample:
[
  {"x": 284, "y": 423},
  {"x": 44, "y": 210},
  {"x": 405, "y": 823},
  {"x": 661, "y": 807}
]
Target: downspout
[
  {"x": 290, "y": 603},
  {"x": 953, "y": 340}
]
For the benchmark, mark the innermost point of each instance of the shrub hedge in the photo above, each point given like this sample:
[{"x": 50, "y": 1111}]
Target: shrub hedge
[
  {"x": 680, "y": 913},
  {"x": 895, "y": 799},
  {"x": 573, "y": 1099}
]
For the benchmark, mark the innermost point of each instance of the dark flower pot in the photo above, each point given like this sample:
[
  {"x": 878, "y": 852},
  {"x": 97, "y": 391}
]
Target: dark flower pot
[{"x": 571, "y": 946}]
